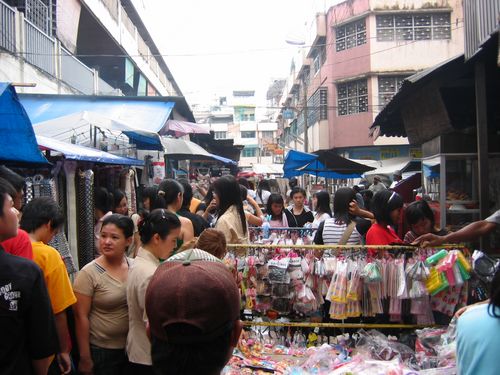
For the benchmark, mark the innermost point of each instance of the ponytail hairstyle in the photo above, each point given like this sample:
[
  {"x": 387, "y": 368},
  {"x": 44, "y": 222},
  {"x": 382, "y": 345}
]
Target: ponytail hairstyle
[
  {"x": 168, "y": 192},
  {"x": 228, "y": 191},
  {"x": 103, "y": 200},
  {"x": 158, "y": 221}
]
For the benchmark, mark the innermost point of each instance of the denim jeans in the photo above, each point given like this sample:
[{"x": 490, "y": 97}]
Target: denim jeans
[{"x": 108, "y": 361}]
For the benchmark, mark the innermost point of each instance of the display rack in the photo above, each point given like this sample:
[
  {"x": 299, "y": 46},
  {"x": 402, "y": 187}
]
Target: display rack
[{"x": 336, "y": 249}]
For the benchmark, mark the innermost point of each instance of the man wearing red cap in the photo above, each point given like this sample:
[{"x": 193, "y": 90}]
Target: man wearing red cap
[{"x": 193, "y": 307}]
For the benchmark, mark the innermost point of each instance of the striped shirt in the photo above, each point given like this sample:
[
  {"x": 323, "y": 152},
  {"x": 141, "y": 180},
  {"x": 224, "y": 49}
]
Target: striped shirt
[{"x": 333, "y": 232}]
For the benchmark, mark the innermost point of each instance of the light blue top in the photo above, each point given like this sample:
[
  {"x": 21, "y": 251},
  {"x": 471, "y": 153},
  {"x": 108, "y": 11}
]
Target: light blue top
[{"x": 478, "y": 342}]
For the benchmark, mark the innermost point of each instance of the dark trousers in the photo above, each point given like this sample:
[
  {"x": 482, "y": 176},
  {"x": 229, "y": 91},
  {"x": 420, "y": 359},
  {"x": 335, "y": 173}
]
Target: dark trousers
[
  {"x": 138, "y": 369},
  {"x": 108, "y": 361}
]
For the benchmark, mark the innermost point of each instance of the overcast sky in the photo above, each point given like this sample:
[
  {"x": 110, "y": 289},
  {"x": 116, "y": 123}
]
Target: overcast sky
[{"x": 213, "y": 47}]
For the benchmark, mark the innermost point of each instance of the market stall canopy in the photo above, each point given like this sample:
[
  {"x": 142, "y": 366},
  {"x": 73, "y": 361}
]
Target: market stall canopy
[
  {"x": 402, "y": 164},
  {"x": 82, "y": 153},
  {"x": 182, "y": 149},
  {"x": 333, "y": 161},
  {"x": 16, "y": 133},
  {"x": 268, "y": 168},
  {"x": 64, "y": 127},
  {"x": 184, "y": 127},
  {"x": 324, "y": 163},
  {"x": 149, "y": 113}
]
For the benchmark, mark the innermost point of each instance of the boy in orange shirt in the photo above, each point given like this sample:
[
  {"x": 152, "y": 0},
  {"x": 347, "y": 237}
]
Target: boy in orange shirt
[{"x": 42, "y": 219}]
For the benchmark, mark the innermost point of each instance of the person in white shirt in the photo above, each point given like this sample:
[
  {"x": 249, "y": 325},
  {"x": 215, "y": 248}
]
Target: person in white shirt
[
  {"x": 396, "y": 178},
  {"x": 377, "y": 185}
]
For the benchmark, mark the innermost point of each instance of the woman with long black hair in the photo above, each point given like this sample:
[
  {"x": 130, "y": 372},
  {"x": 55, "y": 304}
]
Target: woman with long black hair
[
  {"x": 321, "y": 206},
  {"x": 231, "y": 216},
  {"x": 343, "y": 228}
]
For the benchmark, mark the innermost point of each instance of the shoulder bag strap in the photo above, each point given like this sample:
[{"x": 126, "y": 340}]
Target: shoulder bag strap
[{"x": 347, "y": 233}]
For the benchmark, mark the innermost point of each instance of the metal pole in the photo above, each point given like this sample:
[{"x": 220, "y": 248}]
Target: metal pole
[
  {"x": 482, "y": 143},
  {"x": 306, "y": 136}
]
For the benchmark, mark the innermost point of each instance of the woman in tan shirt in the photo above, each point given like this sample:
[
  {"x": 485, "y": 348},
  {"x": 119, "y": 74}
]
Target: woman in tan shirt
[
  {"x": 159, "y": 232},
  {"x": 231, "y": 216},
  {"x": 101, "y": 313}
]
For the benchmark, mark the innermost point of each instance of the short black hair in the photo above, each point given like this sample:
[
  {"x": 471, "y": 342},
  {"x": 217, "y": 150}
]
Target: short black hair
[
  {"x": 103, "y": 200},
  {"x": 39, "y": 212},
  {"x": 188, "y": 192},
  {"x": 122, "y": 222},
  {"x": 150, "y": 192},
  {"x": 12, "y": 177},
  {"x": 419, "y": 210},
  {"x": 383, "y": 203},
  {"x": 296, "y": 190},
  {"x": 118, "y": 195},
  {"x": 193, "y": 358},
  {"x": 158, "y": 221},
  {"x": 6, "y": 188}
]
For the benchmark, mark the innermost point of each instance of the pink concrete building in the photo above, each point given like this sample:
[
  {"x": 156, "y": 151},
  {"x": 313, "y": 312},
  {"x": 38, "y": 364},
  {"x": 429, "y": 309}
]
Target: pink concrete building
[{"x": 357, "y": 55}]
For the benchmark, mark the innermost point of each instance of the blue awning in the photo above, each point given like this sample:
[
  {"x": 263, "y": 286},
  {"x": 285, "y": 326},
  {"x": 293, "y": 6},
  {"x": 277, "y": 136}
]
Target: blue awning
[
  {"x": 149, "y": 115},
  {"x": 16, "y": 133},
  {"x": 82, "y": 153},
  {"x": 298, "y": 163}
]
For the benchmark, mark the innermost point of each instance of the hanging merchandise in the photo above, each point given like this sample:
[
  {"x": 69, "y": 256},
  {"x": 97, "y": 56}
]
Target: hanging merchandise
[
  {"x": 39, "y": 186},
  {"x": 85, "y": 204},
  {"x": 158, "y": 172},
  {"x": 71, "y": 204}
]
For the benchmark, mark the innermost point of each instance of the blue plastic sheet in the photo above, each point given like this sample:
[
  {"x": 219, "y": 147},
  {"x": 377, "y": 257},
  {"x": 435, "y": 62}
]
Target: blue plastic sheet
[{"x": 17, "y": 138}]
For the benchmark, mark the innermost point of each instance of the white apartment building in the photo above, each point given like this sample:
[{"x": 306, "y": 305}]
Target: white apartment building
[{"x": 93, "y": 47}]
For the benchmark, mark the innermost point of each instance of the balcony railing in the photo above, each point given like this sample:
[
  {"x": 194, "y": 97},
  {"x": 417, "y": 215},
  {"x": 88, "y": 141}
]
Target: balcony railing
[
  {"x": 39, "y": 48},
  {"x": 47, "y": 54},
  {"x": 7, "y": 27}
]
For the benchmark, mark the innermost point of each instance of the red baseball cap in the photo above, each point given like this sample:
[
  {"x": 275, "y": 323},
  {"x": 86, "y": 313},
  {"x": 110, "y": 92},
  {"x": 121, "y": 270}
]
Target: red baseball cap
[{"x": 191, "y": 301}]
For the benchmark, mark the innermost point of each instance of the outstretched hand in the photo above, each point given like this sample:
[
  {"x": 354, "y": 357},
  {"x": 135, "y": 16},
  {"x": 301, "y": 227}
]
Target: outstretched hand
[{"x": 428, "y": 240}]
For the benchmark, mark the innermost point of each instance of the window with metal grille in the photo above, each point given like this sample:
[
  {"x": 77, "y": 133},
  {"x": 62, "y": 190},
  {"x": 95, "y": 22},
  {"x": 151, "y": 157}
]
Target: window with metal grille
[
  {"x": 352, "y": 97},
  {"x": 267, "y": 134},
  {"x": 387, "y": 88},
  {"x": 350, "y": 35},
  {"x": 418, "y": 26},
  {"x": 38, "y": 13},
  {"x": 317, "y": 106},
  {"x": 220, "y": 135},
  {"x": 248, "y": 134},
  {"x": 249, "y": 152}
]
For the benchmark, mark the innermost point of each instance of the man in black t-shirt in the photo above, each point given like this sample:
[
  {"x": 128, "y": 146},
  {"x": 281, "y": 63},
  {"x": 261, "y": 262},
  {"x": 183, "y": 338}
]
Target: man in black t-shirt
[{"x": 28, "y": 337}]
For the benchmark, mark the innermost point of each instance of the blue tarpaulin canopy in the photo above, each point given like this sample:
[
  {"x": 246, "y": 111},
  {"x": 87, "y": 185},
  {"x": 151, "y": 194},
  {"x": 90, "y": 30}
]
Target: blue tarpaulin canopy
[
  {"x": 141, "y": 119},
  {"x": 18, "y": 142},
  {"x": 324, "y": 164},
  {"x": 82, "y": 153}
]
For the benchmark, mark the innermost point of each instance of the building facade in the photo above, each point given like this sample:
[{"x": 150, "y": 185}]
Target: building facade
[
  {"x": 356, "y": 56},
  {"x": 234, "y": 117},
  {"x": 81, "y": 47}
]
